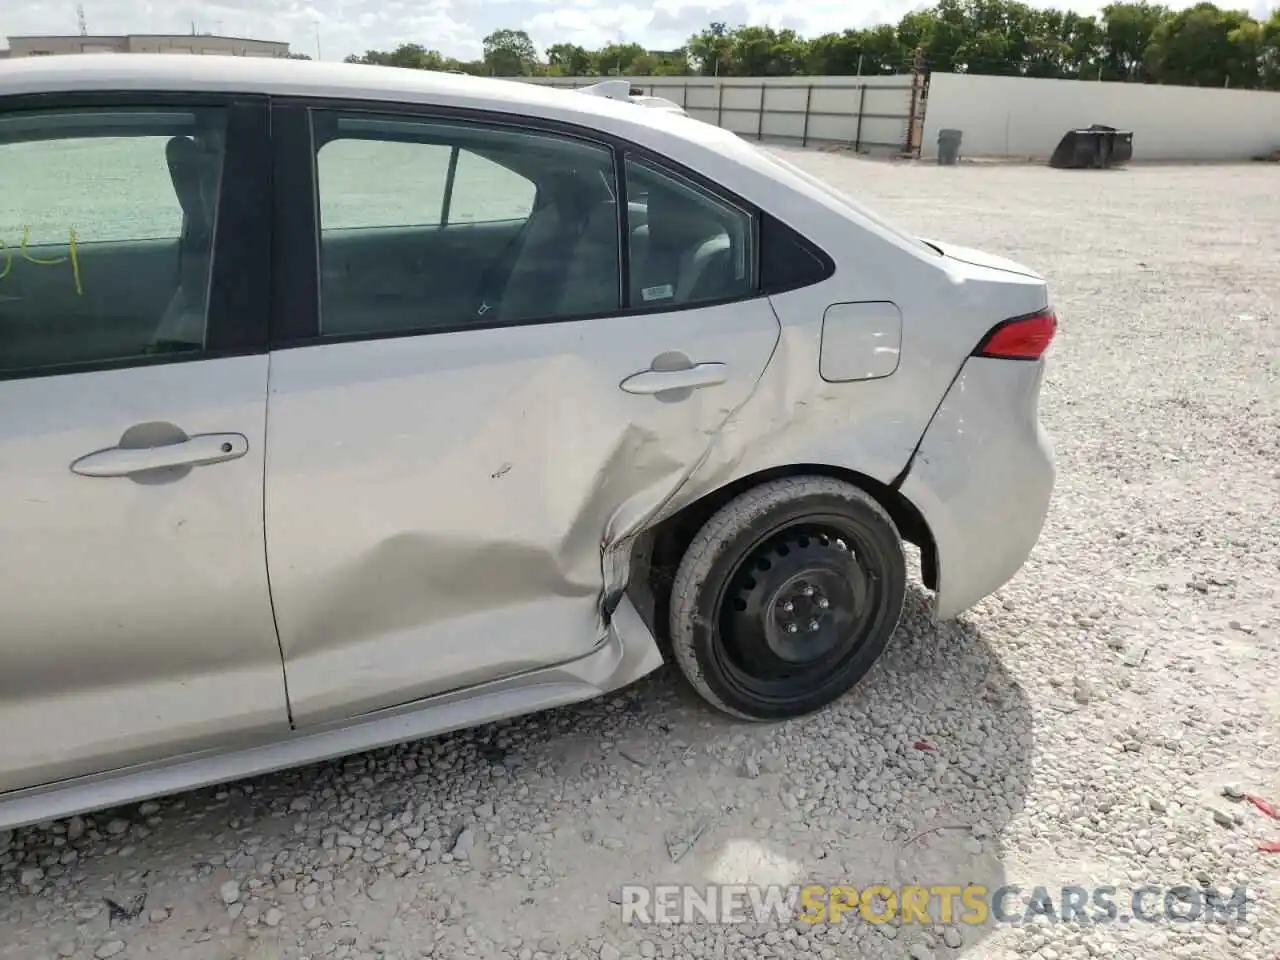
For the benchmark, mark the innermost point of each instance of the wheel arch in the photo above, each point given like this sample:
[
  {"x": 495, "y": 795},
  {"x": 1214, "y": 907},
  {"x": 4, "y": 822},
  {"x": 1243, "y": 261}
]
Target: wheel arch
[{"x": 658, "y": 550}]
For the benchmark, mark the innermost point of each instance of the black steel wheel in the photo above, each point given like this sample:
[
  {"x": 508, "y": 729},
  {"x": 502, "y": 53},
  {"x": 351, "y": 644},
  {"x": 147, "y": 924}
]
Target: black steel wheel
[{"x": 787, "y": 596}]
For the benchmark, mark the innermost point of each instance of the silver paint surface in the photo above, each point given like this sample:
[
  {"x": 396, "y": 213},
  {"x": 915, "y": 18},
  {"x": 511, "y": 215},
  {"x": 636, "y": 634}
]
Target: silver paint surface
[
  {"x": 136, "y": 617},
  {"x": 860, "y": 341}
]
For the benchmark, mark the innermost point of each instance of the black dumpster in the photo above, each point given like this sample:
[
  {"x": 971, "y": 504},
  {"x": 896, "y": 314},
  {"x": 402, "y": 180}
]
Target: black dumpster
[{"x": 1094, "y": 147}]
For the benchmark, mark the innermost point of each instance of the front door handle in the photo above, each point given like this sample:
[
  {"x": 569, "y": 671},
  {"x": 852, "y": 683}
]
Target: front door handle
[
  {"x": 651, "y": 382},
  {"x": 202, "y": 449}
]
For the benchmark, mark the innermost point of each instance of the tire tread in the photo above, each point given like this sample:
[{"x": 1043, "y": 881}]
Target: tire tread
[{"x": 717, "y": 534}]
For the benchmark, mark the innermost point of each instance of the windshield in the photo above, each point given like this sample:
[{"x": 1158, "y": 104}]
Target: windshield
[{"x": 846, "y": 200}]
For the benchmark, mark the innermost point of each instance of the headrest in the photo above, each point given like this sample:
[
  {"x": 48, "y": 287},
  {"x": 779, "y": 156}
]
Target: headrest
[{"x": 190, "y": 169}]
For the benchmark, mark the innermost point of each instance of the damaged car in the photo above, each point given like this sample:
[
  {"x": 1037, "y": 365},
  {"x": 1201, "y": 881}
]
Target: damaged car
[{"x": 342, "y": 406}]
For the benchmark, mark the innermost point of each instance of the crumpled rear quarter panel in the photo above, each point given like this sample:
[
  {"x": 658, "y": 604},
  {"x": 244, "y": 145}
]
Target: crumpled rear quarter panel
[{"x": 983, "y": 478}]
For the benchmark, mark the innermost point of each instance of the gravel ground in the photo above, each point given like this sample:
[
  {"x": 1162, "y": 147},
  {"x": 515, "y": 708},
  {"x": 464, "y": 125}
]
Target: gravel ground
[{"x": 1086, "y": 720}]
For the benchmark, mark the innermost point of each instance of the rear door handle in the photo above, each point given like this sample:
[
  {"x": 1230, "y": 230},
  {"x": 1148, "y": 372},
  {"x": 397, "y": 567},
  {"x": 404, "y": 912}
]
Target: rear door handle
[
  {"x": 202, "y": 449},
  {"x": 650, "y": 382}
]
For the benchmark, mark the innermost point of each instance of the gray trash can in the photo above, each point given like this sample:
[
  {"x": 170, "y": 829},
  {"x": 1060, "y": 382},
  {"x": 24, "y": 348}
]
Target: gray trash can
[{"x": 949, "y": 147}]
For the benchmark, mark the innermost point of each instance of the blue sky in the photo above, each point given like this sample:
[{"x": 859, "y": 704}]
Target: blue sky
[{"x": 457, "y": 26}]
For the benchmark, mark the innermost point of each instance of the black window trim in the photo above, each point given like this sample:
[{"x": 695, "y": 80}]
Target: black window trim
[
  {"x": 450, "y": 178},
  {"x": 296, "y": 321},
  {"x": 237, "y": 313},
  {"x": 826, "y": 264}
]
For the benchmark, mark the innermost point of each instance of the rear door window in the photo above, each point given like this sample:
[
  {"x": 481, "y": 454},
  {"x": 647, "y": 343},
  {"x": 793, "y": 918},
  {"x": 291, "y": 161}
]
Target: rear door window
[{"x": 429, "y": 225}]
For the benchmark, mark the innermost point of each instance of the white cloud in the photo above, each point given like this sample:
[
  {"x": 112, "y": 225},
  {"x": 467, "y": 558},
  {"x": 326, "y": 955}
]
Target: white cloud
[{"x": 456, "y": 27}]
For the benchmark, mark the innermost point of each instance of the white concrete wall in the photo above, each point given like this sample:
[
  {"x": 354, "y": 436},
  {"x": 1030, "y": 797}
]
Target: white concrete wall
[
  {"x": 1022, "y": 118},
  {"x": 774, "y": 108}
]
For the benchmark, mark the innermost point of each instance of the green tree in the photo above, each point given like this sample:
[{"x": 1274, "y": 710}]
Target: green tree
[
  {"x": 1139, "y": 41},
  {"x": 1269, "y": 52},
  {"x": 1082, "y": 46},
  {"x": 618, "y": 59},
  {"x": 711, "y": 51},
  {"x": 869, "y": 52},
  {"x": 765, "y": 52},
  {"x": 570, "y": 60},
  {"x": 413, "y": 56},
  {"x": 1127, "y": 29},
  {"x": 939, "y": 32},
  {"x": 676, "y": 65},
  {"x": 1205, "y": 46},
  {"x": 510, "y": 53}
]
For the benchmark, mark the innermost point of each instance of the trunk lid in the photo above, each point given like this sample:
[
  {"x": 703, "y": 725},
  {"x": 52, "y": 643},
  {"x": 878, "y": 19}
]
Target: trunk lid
[{"x": 978, "y": 258}]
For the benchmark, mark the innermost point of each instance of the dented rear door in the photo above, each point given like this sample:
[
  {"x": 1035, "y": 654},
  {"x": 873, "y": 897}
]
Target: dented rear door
[
  {"x": 438, "y": 507},
  {"x": 446, "y": 508}
]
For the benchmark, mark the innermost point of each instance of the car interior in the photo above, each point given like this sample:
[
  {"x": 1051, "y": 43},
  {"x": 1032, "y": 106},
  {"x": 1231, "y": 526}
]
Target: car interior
[
  {"x": 112, "y": 298},
  {"x": 134, "y": 297},
  {"x": 560, "y": 261},
  {"x": 195, "y": 166},
  {"x": 683, "y": 239}
]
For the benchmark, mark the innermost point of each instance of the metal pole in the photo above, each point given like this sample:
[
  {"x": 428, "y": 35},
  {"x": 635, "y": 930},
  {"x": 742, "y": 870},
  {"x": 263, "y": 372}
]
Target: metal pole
[
  {"x": 760, "y": 116},
  {"x": 808, "y": 99},
  {"x": 917, "y": 70},
  {"x": 720, "y": 104},
  {"x": 684, "y": 95},
  {"x": 862, "y": 103},
  {"x": 317, "y": 26}
]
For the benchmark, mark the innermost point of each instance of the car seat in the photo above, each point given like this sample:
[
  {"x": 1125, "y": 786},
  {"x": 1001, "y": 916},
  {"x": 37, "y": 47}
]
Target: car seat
[
  {"x": 686, "y": 254},
  {"x": 195, "y": 169},
  {"x": 567, "y": 262}
]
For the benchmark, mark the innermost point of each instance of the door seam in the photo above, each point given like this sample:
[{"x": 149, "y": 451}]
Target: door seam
[{"x": 266, "y": 548}]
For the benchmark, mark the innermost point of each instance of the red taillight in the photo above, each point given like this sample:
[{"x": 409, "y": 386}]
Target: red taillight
[{"x": 1021, "y": 338}]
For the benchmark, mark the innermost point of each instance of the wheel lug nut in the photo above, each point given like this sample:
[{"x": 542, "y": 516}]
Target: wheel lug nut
[
  {"x": 813, "y": 626},
  {"x": 788, "y": 606},
  {"x": 823, "y": 603},
  {"x": 792, "y": 628},
  {"x": 807, "y": 591}
]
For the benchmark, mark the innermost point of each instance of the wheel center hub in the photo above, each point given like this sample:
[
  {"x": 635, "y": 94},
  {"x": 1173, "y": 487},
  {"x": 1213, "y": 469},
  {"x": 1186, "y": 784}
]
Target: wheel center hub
[{"x": 801, "y": 616}]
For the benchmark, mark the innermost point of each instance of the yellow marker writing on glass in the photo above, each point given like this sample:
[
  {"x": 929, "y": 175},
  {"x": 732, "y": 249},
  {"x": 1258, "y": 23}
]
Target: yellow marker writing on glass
[{"x": 73, "y": 257}]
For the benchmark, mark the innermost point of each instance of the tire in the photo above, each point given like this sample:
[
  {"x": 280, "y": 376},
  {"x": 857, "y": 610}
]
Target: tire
[{"x": 786, "y": 597}]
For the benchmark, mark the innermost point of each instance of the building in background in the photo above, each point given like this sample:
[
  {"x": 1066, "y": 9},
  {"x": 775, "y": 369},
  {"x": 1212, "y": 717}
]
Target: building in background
[{"x": 202, "y": 43}]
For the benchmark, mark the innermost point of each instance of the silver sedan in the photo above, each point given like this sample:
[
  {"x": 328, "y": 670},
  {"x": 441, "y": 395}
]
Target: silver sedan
[{"x": 342, "y": 406}]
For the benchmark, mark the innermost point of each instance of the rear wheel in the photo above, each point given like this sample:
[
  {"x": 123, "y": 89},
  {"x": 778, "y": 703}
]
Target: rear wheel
[{"x": 786, "y": 597}]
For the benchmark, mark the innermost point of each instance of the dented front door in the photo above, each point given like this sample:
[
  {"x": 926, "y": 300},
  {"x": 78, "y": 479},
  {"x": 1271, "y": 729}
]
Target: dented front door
[{"x": 439, "y": 507}]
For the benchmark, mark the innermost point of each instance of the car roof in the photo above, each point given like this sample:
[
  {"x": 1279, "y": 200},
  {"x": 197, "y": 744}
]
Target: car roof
[
  {"x": 709, "y": 149},
  {"x": 287, "y": 77}
]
